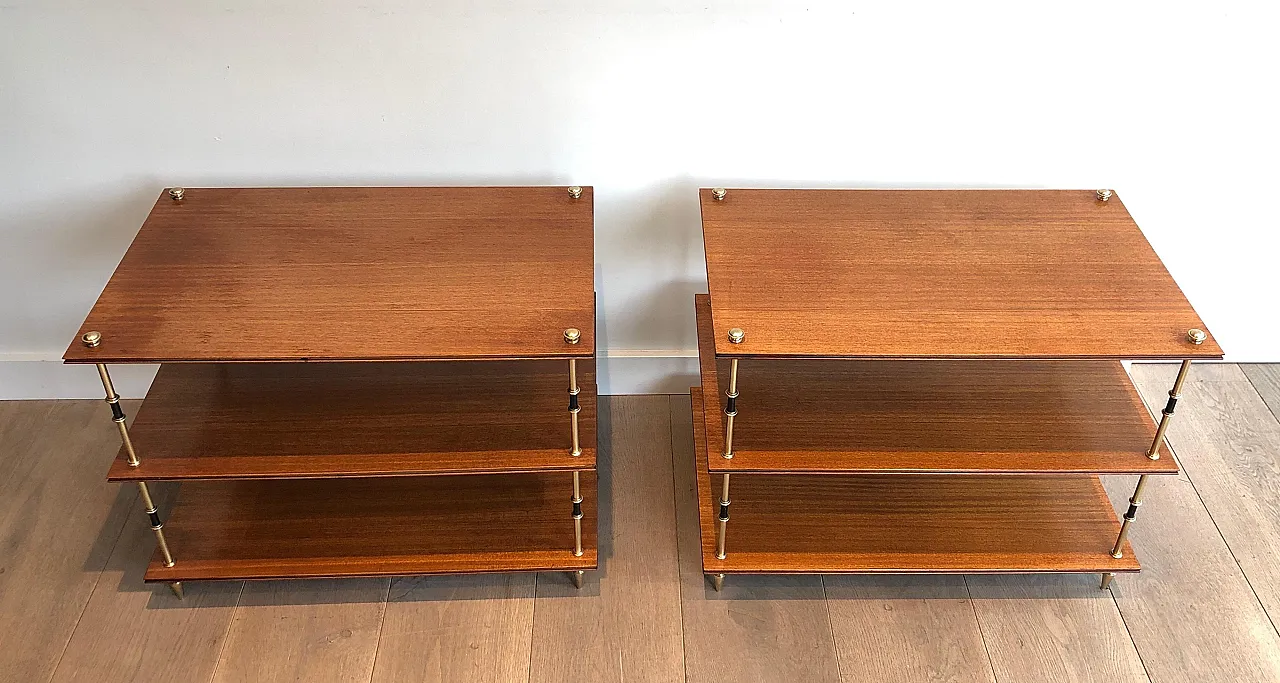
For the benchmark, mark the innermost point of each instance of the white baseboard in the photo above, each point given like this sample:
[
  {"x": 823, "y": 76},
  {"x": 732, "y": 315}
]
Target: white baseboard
[{"x": 35, "y": 376}]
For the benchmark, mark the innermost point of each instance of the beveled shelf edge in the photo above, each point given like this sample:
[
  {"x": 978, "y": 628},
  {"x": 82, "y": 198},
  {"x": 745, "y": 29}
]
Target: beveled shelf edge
[
  {"x": 69, "y": 358},
  {"x": 121, "y": 471},
  {"x": 208, "y": 571}
]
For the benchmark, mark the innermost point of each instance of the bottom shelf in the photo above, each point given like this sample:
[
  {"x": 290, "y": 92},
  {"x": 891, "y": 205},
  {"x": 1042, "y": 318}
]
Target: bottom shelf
[
  {"x": 907, "y": 523},
  {"x": 326, "y": 528}
]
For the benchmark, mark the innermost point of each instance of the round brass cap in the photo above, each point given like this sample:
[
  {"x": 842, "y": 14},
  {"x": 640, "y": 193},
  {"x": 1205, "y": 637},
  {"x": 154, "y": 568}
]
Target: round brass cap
[
  {"x": 575, "y": 191},
  {"x": 718, "y": 193},
  {"x": 1196, "y": 336},
  {"x": 176, "y": 193},
  {"x": 736, "y": 335},
  {"x": 1104, "y": 195},
  {"x": 91, "y": 338},
  {"x": 572, "y": 335}
]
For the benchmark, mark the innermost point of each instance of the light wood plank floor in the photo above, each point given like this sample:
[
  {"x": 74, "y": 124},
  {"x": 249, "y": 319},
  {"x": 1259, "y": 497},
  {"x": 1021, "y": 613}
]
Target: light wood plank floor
[{"x": 73, "y": 606}]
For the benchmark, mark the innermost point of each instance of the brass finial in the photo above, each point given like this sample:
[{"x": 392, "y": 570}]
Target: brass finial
[
  {"x": 1104, "y": 195},
  {"x": 575, "y": 192},
  {"x": 91, "y": 338},
  {"x": 736, "y": 335},
  {"x": 175, "y": 193},
  {"x": 572, "y": 335},
  {"x": 718, "y": 193},
  {"x": 1196, "y": 337}
]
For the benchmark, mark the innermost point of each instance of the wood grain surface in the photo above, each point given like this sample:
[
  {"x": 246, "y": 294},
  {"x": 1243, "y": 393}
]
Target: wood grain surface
[
  {"x": 302, "y": 420},
  {"x": 853, "y": 416},
  {"x": 351, "y": 273},
  {"x": 304, "y": 631},
  {"x": 321, "y": 528},
  {"x": 940, "y": 273}
]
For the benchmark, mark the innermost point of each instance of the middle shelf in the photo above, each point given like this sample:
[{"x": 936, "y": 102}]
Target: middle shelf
[
  {"x": 837, "y": 416},
  {"x": 316, "y": 420}
]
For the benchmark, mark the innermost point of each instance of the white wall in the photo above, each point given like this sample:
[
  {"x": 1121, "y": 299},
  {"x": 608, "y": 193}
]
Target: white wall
[{"x": 104, "y": 103}]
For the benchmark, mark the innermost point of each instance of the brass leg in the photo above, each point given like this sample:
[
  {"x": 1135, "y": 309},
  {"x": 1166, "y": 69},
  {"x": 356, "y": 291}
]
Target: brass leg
[
  {"x": 576, "y": 578},
  {"x": 1106, "y": 580},
  {"x": 724, "y": 517},
  {"x": 577, "y": 516},
  {"x": 576, "y": 450},
  {"x": 153, "y": 514},
  {"x": 730, "y": 409},
  {"x": 1135, "y": 502},
  {"x": 717, "y": 581},
  {"x": 1167, "y": 414},
  {"x": 176, "y": 587}
]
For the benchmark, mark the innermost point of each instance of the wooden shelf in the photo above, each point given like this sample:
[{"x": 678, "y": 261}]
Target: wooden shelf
[
  {"x": 824, "y": 416},
  {"x": 304, "y": 420},
  {"x": 351, "y": 273},
  {"x": 376, "y": 527},
  {"x": 908, "y": 524},
  {"x": 940, "y": 273}
]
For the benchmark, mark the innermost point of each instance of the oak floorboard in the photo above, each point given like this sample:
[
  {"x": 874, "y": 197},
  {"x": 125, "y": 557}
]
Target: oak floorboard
[
  {"x": 304, "y": 631},
  {"x": 457, "y": 628},
  {"x": 1265, "y": 378},
  {"x": 1053, "y": 628},
  {"x": 759, "y": 628},
  {"x": 134, "y": 631},
  {"x": 59, "y": 521},
  {"x": 1192, "y": 611},
  {"x": 1230, "y": 446},
  {"x": 624, "y": 624},
  {"x": 906, "y": 628}
]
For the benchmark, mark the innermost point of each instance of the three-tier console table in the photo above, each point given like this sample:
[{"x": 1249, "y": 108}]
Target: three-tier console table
[
  {"x": 927, "y": 381},
  {"x": 359, "y": 381}
]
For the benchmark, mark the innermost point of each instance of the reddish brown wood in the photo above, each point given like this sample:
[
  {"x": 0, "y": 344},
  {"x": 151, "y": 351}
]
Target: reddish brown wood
[
  {"x": 940, "y": 273},
  {"x": 300, "y": 420},
  {"x": 881, "y": 416},
  {"x": 908, "y": 524},
  {"x": 376, "y": 527},
  {"x": 350, "y": 273}
]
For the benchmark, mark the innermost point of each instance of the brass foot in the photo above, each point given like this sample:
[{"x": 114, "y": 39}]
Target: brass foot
[
  {"x": 717, "y": 581},
  {"x": 176, "y": 587},
  {"x": 576, "y": 577},
  {"x": 1106, "y": 580}
]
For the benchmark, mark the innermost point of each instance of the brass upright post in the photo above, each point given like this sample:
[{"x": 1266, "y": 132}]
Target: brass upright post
[
  {"x": 736, "y": 335},
  {"x": 92, "y": 339},
  {"x": 573, "y": 336},
  {"x": 1135, "y": 501},
  {"x": 1167, "y": 414},
  {"x": 723, "y": 517}
]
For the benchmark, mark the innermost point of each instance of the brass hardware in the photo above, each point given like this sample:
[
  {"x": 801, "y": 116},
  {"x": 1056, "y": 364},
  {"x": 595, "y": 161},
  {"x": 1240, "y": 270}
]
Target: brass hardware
[
  {"x": 572, "y": 335},
  {"x": 577, "y": 516},
  {"x": 574, "y": 408},
  {"x": 736, "y": 335},
  {"x": 1104, "y": 195},
  {"x": 176, "y": 587},
  {"x": 575, "y": 191},
  {"x": 576, "y": 578},
  {"x": 723, "y": 517},
  {"x": 730, "y": 409},
  {"x": 1107, "y": 579},
  {"x": 1196, "y": 337},
  {"x": 1167, "y": 414},
  {"x": 154, "y": 516},
  {"x": 91, "y": 338},
  {"x": 117, "y": 414},
  {"x": 717, "y": 581},
  {"x": 176, "y": 193},
  {"x": 718, "y": 193},
  {"x": 1135, "y": 501}
]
